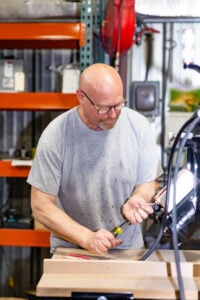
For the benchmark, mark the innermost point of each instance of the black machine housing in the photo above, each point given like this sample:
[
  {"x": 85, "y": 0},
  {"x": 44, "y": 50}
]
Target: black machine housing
[{"x": 188, "y": 209}]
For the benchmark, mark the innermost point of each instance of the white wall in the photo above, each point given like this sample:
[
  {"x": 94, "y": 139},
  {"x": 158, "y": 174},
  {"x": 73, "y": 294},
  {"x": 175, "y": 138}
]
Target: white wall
[{"x": 182, "y": 43}]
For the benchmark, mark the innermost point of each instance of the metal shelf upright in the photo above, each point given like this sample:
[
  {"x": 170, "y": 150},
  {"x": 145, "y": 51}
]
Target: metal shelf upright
[{"x": 33, "y": 36}]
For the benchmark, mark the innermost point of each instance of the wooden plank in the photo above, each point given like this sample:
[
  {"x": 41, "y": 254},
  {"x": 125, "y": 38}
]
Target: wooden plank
[
  {"x": 111, "y": 267},
  {"x": 134, "y": 254},
  {"x": 75, "y": 270},
  {"x": 142, "y": 287}
]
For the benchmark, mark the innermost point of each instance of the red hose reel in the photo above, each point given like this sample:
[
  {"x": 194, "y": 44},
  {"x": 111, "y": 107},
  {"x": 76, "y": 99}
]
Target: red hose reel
[{"x": 119, "y": 25}]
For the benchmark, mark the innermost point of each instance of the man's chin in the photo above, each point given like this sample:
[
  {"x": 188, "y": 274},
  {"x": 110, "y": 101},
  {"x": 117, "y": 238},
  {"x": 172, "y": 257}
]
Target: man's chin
[{"x": 107, "y": 125}]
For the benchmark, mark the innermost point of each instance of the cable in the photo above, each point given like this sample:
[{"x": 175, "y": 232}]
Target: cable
[
  {"x": 189, "y": 126},
  {"x": 174, "y": 216},
  {"x": 169, "y": 172}
]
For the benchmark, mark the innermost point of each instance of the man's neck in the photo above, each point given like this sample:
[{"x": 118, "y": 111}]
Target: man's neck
[{"x": 86, "y": 122}]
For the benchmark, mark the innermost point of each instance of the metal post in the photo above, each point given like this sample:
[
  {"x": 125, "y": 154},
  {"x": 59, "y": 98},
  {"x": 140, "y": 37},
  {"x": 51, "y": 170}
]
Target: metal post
[
  {"x": 86, "y": 52},
  {"x": 99, "y": 53}
]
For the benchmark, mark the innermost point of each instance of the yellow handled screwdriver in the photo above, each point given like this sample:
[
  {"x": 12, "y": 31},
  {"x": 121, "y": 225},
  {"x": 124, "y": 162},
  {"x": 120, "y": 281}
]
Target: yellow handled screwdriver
[{"x": 119, "y": 229}]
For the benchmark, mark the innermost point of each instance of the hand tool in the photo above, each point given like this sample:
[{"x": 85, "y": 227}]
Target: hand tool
[{"x": 120, "y": 229}]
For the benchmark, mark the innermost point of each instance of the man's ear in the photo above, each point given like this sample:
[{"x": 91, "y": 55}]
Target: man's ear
[{"x": 79, "y": 96}]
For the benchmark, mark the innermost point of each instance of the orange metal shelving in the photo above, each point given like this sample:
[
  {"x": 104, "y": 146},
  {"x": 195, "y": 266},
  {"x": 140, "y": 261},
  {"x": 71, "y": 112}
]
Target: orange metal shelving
[
  {"x": 7, "y": 170},
  {"x": 37, "y": 101},
  {"x": 34, "y": 35},
  {"x": 24, "y": 237},
  {"x": 42, "y": 35},
  {"x": 21, "y": 237}
]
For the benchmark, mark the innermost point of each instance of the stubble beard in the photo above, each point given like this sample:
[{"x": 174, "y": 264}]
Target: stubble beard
[{"x": 105, "y": 126}]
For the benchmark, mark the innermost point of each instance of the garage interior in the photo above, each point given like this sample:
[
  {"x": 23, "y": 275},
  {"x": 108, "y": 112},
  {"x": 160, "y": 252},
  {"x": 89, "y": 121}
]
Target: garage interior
[{"x": 45, "y": 44}]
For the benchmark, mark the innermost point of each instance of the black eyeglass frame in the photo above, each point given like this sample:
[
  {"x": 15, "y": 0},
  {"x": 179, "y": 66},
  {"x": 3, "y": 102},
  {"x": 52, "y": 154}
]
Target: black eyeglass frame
[{"x": 107, "y": 108}]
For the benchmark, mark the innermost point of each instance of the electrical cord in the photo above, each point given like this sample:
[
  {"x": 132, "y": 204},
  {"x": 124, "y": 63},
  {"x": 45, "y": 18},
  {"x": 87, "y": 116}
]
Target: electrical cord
[
  {"x": 189, "y": 126},
  {"x": 169, "y": 172},
  {"x": 174, "y": 216}
]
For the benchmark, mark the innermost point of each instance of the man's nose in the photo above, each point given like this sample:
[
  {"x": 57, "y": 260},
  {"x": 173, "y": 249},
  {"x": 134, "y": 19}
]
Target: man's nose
[{"x": 112, "y": 112}]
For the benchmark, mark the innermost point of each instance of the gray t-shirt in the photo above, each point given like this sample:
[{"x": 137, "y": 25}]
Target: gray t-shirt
[{"x": 93, "y": 172}]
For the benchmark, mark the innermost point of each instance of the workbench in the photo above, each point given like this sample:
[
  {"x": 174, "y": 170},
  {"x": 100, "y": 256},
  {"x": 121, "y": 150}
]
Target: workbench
[{"x": 120, "y": 271}]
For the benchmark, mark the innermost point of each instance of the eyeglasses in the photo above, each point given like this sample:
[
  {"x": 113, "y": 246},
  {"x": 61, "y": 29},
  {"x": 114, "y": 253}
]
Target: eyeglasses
[{"x": 105, "y": 109}]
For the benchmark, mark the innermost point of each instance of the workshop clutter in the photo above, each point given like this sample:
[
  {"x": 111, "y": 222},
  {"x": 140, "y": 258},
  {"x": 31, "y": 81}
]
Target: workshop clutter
[
  {"x": 12, "y": 75},
  {"x": 68, "y": 77},
  {"x": 37, "y": 9}
]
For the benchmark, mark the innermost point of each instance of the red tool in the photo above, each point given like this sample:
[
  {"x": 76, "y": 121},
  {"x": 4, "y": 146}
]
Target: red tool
[{"x": 118, "y": 28}]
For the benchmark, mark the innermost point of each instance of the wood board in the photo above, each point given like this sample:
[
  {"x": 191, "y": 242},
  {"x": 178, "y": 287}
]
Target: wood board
[{"x": 74, "y": 270}]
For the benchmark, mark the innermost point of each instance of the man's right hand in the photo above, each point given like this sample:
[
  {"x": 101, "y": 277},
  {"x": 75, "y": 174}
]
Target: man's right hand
[{"x": 101, "y": 241}]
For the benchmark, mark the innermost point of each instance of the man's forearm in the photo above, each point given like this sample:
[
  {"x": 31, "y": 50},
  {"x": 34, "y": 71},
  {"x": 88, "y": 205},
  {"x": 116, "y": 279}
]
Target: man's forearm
[
  {"x": 146, "y": 190},
  {"x": 45, "y": 211}
]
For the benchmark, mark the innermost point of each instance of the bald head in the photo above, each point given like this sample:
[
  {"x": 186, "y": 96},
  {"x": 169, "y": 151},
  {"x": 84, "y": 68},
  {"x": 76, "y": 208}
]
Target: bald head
[
  {"x": 101, "y": 78},
  {"x": 101, "y": 88}
]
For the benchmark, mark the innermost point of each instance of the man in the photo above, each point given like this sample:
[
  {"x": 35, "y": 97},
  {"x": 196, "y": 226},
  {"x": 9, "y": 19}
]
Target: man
[{"x": 89, "y": 160}]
